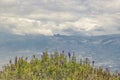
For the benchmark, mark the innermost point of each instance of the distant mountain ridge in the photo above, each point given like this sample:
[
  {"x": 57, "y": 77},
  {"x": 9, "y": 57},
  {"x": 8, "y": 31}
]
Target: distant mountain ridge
[
  {"x": 104, "y": 49},
  {"x": 90, "y": 43}
]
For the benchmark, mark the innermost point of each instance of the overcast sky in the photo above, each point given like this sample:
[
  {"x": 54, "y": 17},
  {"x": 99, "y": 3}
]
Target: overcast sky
[{"x": 68, "y": 17}]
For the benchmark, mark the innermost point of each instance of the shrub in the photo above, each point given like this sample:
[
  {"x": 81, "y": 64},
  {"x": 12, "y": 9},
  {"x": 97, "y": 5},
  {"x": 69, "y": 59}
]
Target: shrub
[{"x": 56, "y": 66}]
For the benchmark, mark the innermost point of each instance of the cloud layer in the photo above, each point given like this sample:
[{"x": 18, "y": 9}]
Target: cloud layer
[{"x": 68, "y": 17}]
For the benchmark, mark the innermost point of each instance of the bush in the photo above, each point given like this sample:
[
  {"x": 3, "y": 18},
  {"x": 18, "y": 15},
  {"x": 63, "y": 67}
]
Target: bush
[{"x": 56, "y": 66}]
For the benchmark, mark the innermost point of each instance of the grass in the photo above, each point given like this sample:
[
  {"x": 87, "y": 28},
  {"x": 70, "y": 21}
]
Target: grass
[{"x": 56, "y": 66}]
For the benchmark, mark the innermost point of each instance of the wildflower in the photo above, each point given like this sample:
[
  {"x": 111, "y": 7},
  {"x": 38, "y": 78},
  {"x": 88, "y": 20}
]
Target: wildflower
[
  {"x": 43, "y": 53},
  {"x": 16, "y": 60},
  {"x": 86, "y": 61},
  {"x": 63, "y": 51},
  {"x": 69, "y": 55},
  {"x": 118, "y": 73},
  {"x": 26, "y": 58},
  {"x": 10, "y": 61},
  {"x": 80, "y": 61},
  {"x": 93, "y": 62},
  {"x": 107, "y": 70}
]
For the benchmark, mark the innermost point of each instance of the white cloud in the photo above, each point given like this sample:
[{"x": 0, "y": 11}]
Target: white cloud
[
  {"x": 48, "y": 17},
  {"x": 7, "y": 1},
  {"x": 106, "y": 5},
  {"x": 90, "y": 26},
  {"x": 22, "y": 26},
  {"x": 61, "y": 16},
  {"x": 86, "y": 24}
]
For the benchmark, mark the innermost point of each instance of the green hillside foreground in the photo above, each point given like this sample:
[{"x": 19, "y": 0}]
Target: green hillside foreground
[{"x": 55, "y": 66}]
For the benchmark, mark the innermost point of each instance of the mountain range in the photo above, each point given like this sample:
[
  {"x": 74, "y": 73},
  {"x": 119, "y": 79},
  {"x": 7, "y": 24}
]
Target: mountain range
[{"x": 104, "y": 49}]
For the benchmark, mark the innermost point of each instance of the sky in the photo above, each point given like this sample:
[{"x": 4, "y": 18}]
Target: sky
[{"x": 66, "y": 17}]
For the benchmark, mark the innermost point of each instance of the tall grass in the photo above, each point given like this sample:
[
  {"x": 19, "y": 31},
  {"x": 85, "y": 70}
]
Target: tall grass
[{"x": 56, "y": 66}]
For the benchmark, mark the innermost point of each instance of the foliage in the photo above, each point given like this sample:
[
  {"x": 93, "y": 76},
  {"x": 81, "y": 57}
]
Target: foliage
[{"x": 55, "y": 66}]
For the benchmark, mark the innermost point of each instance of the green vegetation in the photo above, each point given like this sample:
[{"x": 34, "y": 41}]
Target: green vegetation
[{"x": 56, "y": 66}]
